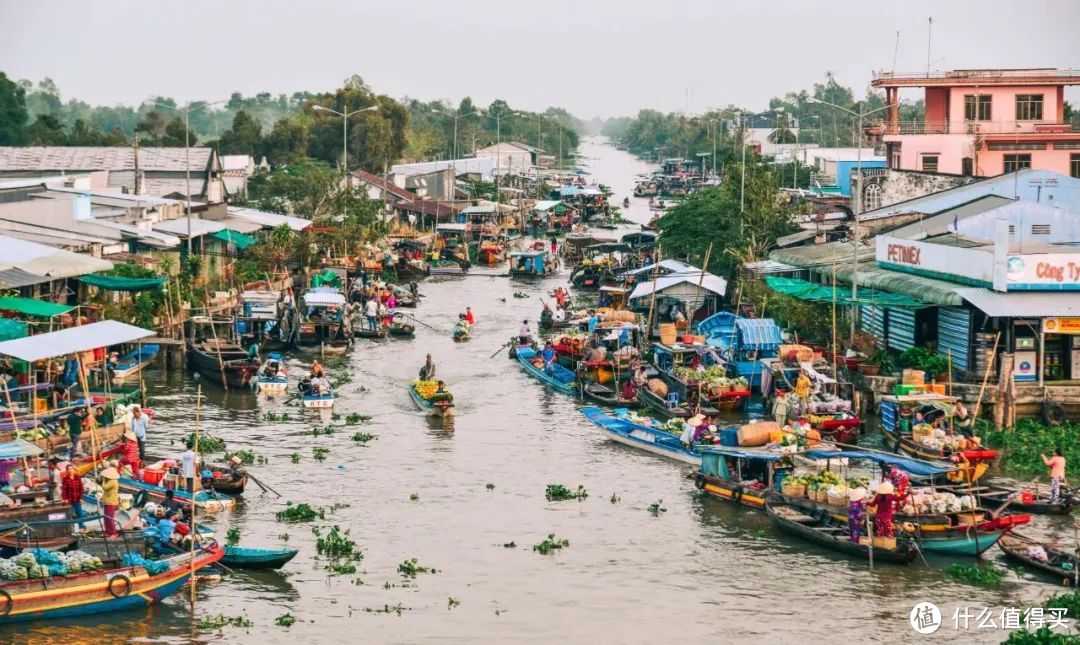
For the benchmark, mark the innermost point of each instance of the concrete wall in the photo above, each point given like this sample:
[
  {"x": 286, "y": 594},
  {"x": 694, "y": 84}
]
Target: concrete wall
[{"x": 898, "y": 185}]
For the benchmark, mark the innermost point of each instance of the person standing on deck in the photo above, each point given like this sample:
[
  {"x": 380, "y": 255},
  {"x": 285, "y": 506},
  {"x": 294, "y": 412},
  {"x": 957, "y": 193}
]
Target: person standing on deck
[
  {"x": 883, "y": 509},
  {"x": 110, "y": 499},
  {"x": 524, "y": 334},
  {"x": 187, "y": 469},
  {"x": 469, "y": 316},
  {"x": 780, "y": 409},
  {"x": 1057, "y": 473},
  {"x": 75, "y": 429},
  {"x": 856, "y": 508},
  {"x": 139, "y": 423},
  {"x": 802, "y": 392},
  {"x": 549, "y": 355},
  {"x": 130, "y": 456},
  {"x": 427, "y": 372},
  {"x": 56, "y": 479},
  {"x": 371, "y": 310},
  {"x": 72, "y": 493}
]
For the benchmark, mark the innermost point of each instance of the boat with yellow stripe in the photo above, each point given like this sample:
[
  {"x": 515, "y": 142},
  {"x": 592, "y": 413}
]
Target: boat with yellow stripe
[
  {"x": 113, "y": 589},
  {"x": 744, "y": 476}
]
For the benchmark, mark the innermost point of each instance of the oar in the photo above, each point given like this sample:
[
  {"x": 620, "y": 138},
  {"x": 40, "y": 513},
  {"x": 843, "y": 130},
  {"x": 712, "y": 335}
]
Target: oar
[
  {"x": 501, "y": 347},
  {"x": 263, "y": 486},
  {"x": 401, "y": 313}
]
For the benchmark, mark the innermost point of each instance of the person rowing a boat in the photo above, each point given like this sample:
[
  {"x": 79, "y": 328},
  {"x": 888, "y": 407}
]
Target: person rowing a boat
[
  {"x": 317, "y": 369},
  {"x": 427, "y": 372},
  {"x": 469, "y": 316},
  {"x": 549, "y": 355},
  {"x": 524, "y": 334}
]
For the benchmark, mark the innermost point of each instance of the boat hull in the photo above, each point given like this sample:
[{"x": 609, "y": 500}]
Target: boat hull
[
  {"x": 246, "y": 558},
  {"x": 729, "y": 491},
  {"x": 524, "y": 356},
  {"x": 205, "y": 501},
  {"x": 642, "y": 437},
  {"x": 318, "y": 402},
  {"x": 431, "y": 409}
]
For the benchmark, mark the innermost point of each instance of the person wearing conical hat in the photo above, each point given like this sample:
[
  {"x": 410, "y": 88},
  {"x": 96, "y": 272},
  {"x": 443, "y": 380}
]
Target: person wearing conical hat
[
  {"x": 855, "y": 510},
  {"x": 130, "y": 455},
  {"x": 110, "y": 498},
  {"x": 883, "y": 509}
]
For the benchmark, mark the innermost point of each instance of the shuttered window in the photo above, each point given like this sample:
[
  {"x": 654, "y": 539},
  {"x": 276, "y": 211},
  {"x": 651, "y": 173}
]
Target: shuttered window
[
  {"x": 900, "y": 323},
  {"x": 954, "y": 336}
]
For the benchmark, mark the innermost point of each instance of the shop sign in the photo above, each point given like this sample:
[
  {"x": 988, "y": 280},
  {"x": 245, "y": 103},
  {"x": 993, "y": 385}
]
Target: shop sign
[
  {"x": 1055, "y": 270},
  {"x": 1061, "y": 325}
]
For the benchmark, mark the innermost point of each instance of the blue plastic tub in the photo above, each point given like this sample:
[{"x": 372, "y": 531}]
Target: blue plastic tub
[{"x": 729, "y": 437}]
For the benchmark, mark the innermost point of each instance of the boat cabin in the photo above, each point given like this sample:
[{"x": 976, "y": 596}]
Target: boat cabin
[
  {"x": 323, "y": 315},
  {"x": 527, "y": 263},
  {"x": 746, "y": 466},
  {"x": 898, "y": 413},
  {"x": 743, "y": 342},
  {"x": 613, "y": 296}
]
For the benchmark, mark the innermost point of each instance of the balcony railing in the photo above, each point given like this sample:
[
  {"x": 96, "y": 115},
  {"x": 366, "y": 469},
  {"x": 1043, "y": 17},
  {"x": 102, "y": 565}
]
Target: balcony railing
[
  {"x": 972, "y": 127},
  {"x": 993, "y": 76}
]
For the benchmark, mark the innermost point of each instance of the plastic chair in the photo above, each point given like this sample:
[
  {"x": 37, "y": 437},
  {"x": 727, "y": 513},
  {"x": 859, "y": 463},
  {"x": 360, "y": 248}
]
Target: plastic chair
[{"x": 672, "y": 401}]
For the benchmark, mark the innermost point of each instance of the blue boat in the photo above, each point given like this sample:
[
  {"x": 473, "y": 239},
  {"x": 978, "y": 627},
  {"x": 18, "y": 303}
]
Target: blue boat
[
  {"x": 441, "y": 408},
  {"x": 250, "y": 558},
  {"x": 557, "y": 376},
  {"x": 742, "y": 342},
  {"x": 532, "y": 263},
  {"x": 130, "y": 363},
  {"x": 640, "y": 436}
]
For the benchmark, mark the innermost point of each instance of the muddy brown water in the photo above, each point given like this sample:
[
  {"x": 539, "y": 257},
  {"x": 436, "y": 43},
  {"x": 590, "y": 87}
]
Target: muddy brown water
[{"x": 701, "y": 571}]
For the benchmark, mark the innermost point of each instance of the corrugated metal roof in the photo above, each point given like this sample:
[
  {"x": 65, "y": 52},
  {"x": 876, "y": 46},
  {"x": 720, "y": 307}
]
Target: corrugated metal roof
[
  {"x": 670, "y": 266},
  {"x": 15, "y": 278},
  {"x": 930, "y": 291},
  {"x": 72, "y": 340},
  {"x": 757, "y": 333},
  {"x": 710, "y": 282},
  {"x": 241, "y": 225},
  {"x": 271, "y": 220},
  {"x": 44, "y": 158},
  {"x": 47, "y": 261},
  {"x": 823, "y": 255},
  {"x": 199, "y": 227},
  {"x": 795, "y": 238},
  {"x": 1028, "y": 303}
]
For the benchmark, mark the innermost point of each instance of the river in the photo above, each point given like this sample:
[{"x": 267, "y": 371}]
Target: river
[{"x": 701, "y": 571}]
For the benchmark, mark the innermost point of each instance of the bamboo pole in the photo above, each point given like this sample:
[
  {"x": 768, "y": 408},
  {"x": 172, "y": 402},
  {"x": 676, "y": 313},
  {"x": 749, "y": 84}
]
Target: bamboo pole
[
  {"x": 986, "y": 377},
  {"x": 701, "y": 281},
  {"x": 89, "y": 409},
  {"x": 217, "y": 345},
  {"x": 194, "y": 530},
  {"x": 835, "y": 374},
  {"x": 652, "y": 302}
]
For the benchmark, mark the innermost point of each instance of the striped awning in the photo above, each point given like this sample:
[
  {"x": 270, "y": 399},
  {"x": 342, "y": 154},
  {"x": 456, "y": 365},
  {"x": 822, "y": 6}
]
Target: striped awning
[{"x": 758, "y": 333}]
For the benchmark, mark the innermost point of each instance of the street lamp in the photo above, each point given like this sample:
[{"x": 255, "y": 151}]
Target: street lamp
[
  {"x": 498, "y": 146},
  {"x": 858, "y": 197},
  {"x": 345, "y": 131},
  {"x": 186, "y": 111},
  {"x": 457, "y": 115}
]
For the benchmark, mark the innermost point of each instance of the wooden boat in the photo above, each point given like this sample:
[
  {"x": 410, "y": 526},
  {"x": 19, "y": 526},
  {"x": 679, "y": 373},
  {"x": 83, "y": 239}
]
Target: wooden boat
[
  {"x": 605, "y": 395},
  {"x": 1026, "y": 501},
  {"x": 660, "y": 406},
  {"x": 364, "y": 332},
  {"x": 132, "y": 362},
  {"x": 642, "y": 437},
  {"x": 442, "y": 408},
  {"x": 1060, "y": 565},
  {"x": 221, "y": 361},
  {"x": 560, "y": 378},
  {"x": 321, "y": 400},
  {"x": 241, "y": 557},
  {"x": 820, "y": 527},
  {"x": 489, "y": 251},
  {"x": 206, "y": 501},
  {"x": 402, "y": 330},
  {"x": 462, "y": 332},
  {"x": 122, "y": 587},
  {"x": 970, "y": 464},
  {"x": 46, "y": 518},
  {"x": 272, "y": 377},
  {"x": 105, "y": 436},
  {"x": 744, "y": 476}
]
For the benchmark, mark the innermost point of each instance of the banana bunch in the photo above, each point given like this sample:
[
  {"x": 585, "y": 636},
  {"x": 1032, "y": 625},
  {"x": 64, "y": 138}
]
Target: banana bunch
[{"x": 425, "y": 389}]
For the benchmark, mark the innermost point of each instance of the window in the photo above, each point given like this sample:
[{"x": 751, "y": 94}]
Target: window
[
  {"x": 929, "y": 163},
  {"x": 1074, "y": 165},
  {"x": 1029, "y": 107},
  {"x": 1067, "y": 145},
  {"x": 873, "y": 197},
  {"x": 967, "y": 166},
  {"x": 1017, "y": 162},
  {"x": 976, "y": 108},
  {"x": 1016, "y": 145},
  {"x": 1040, "y": 229}
]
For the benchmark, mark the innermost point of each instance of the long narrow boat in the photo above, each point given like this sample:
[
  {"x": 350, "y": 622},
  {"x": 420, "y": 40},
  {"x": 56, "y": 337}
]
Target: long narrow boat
[
  {"x": 442, "y": 408},
  {"x": 221, "y": 361},
  {"x": 741, "y": 475},
  {"x": 250, "y": 558},
  {"x": 642, "y": 437},
  {"x": 223, "y": 480},
  {"x": 364, "y": 332},
  {"x": 1026, "y": 501},
  {"x": 321, "y": 400},
  {"x": 1059, "y": 564},
  {"x": 206, "y": 501},
  {"x": 462, "y": 332},
  {"x": 132, "y": 362},
  {"x": 559, "y": 378},
  {"x": 605, "y": 395},
  {"x": 660, "y": 406},
  {"x": 972, "y": 464},
  {"x": 819, "y": 527},
  {"x": 101, "y": 591}
]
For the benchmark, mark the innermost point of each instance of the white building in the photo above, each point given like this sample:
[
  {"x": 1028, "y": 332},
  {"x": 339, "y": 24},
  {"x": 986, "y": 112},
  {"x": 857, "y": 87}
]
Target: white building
[{"x": 511, "y": 157}]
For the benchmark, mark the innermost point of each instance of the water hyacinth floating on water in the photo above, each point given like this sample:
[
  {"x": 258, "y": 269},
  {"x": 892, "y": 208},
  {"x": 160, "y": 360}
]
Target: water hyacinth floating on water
[
  {"x": 388, "y": 609},
  {"x": 285, "y": 620},
  {"x": 656, "y": 509},
  {"x": 551, "y": 543},
  {"x": 363, "y": 437},
  {"x": 232, "y": 536},
  {"x": 221, "y": 620},
  {"x": 297, "y": 513},
  {"x": 410, "y": 568},
  {"x": 490, "y": 486},
  {"x": 295, "y": 457},
  {"x": 452, "y": 602},
  {"x": 319, "y": 453},
  {"x": 558, "y": 493},
  {"x": 208, "y": 443},
  {"x": 986, "y": 575},
  {"x": 247, "y": 457}
]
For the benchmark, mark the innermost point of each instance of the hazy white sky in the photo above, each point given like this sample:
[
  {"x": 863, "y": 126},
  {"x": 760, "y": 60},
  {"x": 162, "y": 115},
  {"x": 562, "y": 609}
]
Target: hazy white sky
[{"x": 594, "y": 57}]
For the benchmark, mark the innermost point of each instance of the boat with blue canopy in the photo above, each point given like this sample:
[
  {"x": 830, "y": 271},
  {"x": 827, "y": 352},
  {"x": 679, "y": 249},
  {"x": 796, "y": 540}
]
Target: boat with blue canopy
[
  {"x": 642, "y": 435},
  {"x": 742, "y": 342},
  {"x": 532, "y": 263},
  {"x": 745, "y": 476},
  {"x": 554, "y": 375}
]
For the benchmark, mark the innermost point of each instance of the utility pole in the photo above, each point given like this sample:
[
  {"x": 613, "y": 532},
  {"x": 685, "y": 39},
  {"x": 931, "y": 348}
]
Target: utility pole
[
  {"x": 135, "y": 152},
  {"x": 187, "y": 171}
]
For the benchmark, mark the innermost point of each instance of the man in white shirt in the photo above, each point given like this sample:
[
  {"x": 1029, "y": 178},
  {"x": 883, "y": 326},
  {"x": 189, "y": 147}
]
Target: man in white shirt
[
  {"x": 187, "y": 467},
  {"x": 559, "y": 314},
  {"x": 371, "y": 310},
  {"x": 524, "y": 334}
]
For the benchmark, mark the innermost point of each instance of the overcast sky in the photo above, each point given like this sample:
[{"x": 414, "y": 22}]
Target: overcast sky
[{"x": 594, "y": 57}]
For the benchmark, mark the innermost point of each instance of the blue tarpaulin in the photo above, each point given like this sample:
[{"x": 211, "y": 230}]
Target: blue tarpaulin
[
  {"x": 17, "y": 448},
  {"x": 744, "y": 454},
  {"x": 916, "y": 467},
  {"x": 758, "y": 333}
]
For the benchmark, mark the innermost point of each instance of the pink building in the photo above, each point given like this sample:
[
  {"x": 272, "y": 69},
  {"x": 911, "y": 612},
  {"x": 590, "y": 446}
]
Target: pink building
[{"x": 982, "y": 122}]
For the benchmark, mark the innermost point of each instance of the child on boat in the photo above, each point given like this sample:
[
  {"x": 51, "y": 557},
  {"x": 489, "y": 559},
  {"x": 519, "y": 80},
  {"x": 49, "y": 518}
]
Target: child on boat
[{"x": 855, "y": 510}]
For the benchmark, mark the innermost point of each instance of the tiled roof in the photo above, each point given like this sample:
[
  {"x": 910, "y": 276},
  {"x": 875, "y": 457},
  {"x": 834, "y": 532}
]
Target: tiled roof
[
  {"x": 68, "y": 158},
  {"x": 381, "y": 184},
  {"x": 428, "y": 207}
]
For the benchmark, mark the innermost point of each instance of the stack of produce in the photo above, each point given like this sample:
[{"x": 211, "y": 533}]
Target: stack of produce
[
  {"x": 829, "y": 405},
  {"x": 938, "y": 439},
  {"x": 923, "y": 501},
  {"x": 428, "y": 390},
  {"x": 34, "y": 434},
  {"x": 39, "y": 563}
]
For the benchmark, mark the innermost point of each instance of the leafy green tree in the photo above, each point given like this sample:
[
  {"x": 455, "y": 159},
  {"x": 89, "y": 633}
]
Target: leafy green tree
[
  {"x": 13, "y": 114},
  {"x": 243, "y": 138},
  {"x": 46, "y": 130},
  {"x": 287, "y": 143}
]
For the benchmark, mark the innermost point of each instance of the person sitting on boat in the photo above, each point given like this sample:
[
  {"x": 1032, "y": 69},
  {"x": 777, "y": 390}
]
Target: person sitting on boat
[
  {"x": 558, "y": 315},
  {"x": 103, "y": 416},
  {"x": 253, "y": 352},
  {"x": 320, "y": 386},
  {"x": 206, "y": 479},
  {"x": 549, "y": 355},
  {"x": 963, "y": 419},
  {"x": 883, "y": 509},
  {"x": 693, "y": 429},
  {"x": 163, "y": 530},
  {"x": 427, "y": 372},
  {"x": 470, "y": 317},
  {"x": 641, "y": 376},
  {"x": 546, "y": 317},
  {"x": 524, "y": 334},
  {"x": 304, "y": 386},
  {"x": 130, "y": 455},
  {"x": 236, "y": 468},
  {"x": 317, "y": 369},
  {"x": 171, "y": 505},
  {"x": 856, "y": 509}
]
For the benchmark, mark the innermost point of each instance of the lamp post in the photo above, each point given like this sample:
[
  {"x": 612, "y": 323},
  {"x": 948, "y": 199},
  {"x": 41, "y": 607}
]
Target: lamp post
[
  {"x": 345, "y": 130},
  {"x": 498, "y": 148},
  {"x": 186, "y": 111},
  {"x": 453, "y": 162},
  {"x": 857, "y": 205}
]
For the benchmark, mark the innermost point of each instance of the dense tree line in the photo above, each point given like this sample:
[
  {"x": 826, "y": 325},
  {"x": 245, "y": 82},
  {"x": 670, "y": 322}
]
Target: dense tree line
[{"x": 286, "y": 129}]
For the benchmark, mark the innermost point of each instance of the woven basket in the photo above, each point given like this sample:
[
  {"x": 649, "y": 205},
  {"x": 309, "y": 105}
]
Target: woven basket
[
  {"x": 836, "y": 500},
  {"x": 793, "y": 490}
]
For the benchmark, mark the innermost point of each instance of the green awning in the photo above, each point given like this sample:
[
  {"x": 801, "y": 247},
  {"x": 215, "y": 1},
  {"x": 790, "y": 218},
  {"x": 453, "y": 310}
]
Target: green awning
[
  {"x": 236, "y": 238},
  {"x": 119, "y": 283},
  {"x": 12, "y": 329},
  {"x": 32, "y": 307},
  {"x": 929, "y": 290},
  {"x": 804, "y": 290},
  {"x": 326, "y": 278}
]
